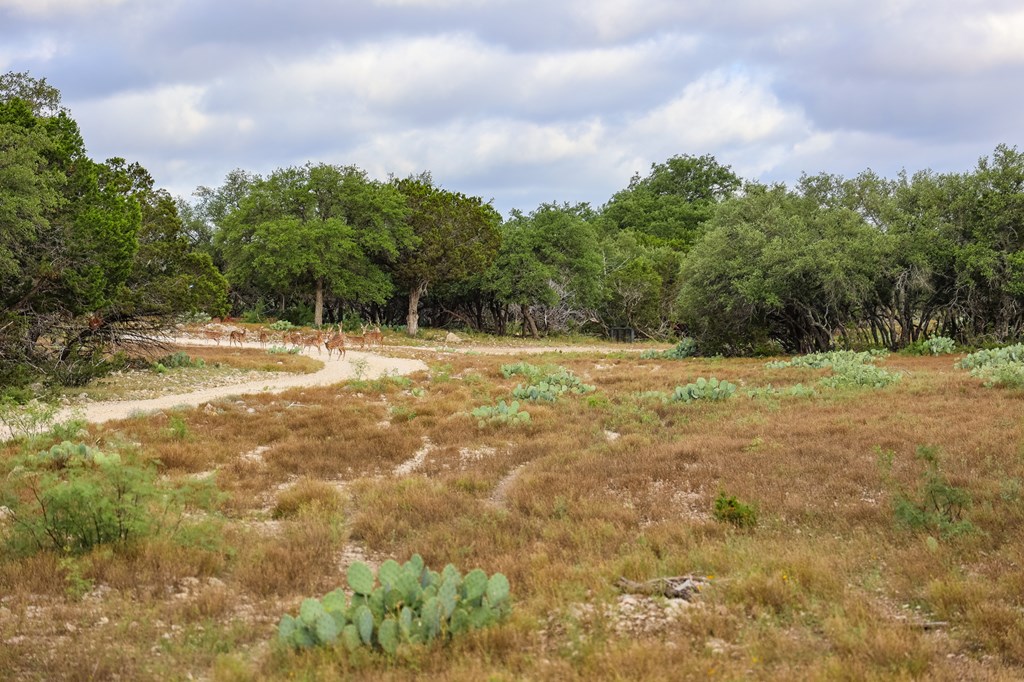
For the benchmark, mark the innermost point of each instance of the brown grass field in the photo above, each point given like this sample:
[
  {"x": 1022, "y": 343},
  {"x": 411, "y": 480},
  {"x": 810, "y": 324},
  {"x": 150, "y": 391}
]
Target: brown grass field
[{"x": 827, "y": 586}]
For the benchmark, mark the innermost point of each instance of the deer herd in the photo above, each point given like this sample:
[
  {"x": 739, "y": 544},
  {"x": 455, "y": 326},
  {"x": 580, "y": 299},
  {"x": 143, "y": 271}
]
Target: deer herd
[{"x": 338, "y": 341}]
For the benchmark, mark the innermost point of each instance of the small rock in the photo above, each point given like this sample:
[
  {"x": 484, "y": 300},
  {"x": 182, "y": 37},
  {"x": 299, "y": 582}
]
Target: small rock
[{"x": 452, "y": 337}]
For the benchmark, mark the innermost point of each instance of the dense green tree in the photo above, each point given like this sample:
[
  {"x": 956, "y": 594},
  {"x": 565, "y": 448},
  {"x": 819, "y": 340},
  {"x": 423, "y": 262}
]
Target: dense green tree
[
  {"x": 456, "y": 235},
  {"x": 318, "y": 229},
  {"x": 549, "y": 258},
  {"x": 78, "y": 240},
  {"x": 776, "y": 266},
  {"x": 641, "y": 282},
  {"x": 674, "y": 200}
]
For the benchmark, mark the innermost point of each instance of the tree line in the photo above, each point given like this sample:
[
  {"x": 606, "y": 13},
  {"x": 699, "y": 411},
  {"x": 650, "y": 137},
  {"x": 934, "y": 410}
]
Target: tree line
[
  {"x": 690, "y": 248},
  {"x": 93, "y": 255}
]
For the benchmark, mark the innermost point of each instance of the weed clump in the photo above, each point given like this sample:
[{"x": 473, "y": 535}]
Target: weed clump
[
  {"x": 936, "y": 504},
  {"x": 728, "y": 509}
]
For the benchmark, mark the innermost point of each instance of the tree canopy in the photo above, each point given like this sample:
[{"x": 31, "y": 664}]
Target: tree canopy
[{"x": 89, "y": 257}]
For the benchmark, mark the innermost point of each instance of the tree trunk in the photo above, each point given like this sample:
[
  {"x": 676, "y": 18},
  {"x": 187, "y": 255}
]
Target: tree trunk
[
  {"x": 528, "y": 320},
  {"x": 318, "y": 311},
  {"x": 412, "y": 320}
]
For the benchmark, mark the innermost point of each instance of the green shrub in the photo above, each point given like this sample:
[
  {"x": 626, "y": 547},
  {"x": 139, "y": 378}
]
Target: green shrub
[
  {"x": 933, "y": 345},
  {"x": 177, "y": 429},
  {"x": 728, "y": 509},
  {"x": 994, "y": 357},
  {"x": 281, "y": 350},
  {"x": 180, "y": 359},
  {"x": 936, "y": 504},
  {"x": 23, "y": 420},
  {"x": 505, "y": 414},
  {"x": 829, "y": 359},
  {"x": 686, "y": 348},
  {"x": 72, "y": 498},
  {"x": 283, "y": 326},
  {"x": 405, "y": 604},
  {"x": 704, "y": 389}
]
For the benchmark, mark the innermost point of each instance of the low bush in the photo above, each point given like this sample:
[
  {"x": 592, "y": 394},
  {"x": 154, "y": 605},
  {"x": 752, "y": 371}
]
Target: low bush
[
  {"x": 933, "y": 345},
  {"x": 849, "y": 368},
  {"x": 180, "y": 359},
  {"x": 686, "y": 348},
  {"x": 728, "y": 509},
  {"x": 72, "y": 498},
  {"x": 936, "y": 504},
  {"x": 524, "y": 369}
]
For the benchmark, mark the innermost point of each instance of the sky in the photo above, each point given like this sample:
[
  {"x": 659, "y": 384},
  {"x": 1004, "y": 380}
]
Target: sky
[{"x": 529, "y": 101}]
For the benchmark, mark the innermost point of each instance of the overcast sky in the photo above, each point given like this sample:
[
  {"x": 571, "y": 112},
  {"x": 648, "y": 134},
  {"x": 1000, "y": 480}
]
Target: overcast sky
[{"x": 527, "y": 101}]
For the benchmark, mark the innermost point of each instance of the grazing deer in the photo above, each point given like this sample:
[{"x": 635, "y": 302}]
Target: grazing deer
[
  {"x": 213, "y": 335},
  {"x": 236, "y": 336},
  {"x": 374, "y": 336},
  {"x": 336, "y": 342},
  {"x": 314, "y": 340}
]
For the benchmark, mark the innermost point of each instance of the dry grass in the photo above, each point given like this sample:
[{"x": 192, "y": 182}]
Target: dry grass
[{"x": 827, "y": 586}]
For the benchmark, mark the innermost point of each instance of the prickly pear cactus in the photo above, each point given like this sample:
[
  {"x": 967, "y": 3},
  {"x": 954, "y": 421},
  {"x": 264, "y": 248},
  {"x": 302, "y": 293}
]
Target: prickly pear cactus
[
  {"x": 704, "y": 389},
  {"x": 404, "y": 604}
]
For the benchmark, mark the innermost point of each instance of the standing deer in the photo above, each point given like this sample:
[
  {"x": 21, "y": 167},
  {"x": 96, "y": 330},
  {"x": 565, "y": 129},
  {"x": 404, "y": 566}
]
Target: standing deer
[
  {"x": 336, "y": 342},
  {"x": 264, "y": 337},
  {"x": 314, "y": 340},
  {"x": 236, "y": 336},
  {"x": 361, "y": 340},
  {"x": 374, "y": 336},
  {"x": 213, "y": 335}
]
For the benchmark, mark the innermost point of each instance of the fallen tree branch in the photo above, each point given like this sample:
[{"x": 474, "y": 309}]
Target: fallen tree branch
[{"x": 677, "y": 587}]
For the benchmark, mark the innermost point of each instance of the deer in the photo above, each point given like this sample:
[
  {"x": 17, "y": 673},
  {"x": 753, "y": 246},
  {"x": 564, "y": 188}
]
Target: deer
[
  {"x": 374, "y": 336},
  {"x": 264, "y": 337},
  {"x": 213, "y": 335},
  {"x": 236, "y": 336},
  {"x": 336, "y": 342},
  {"x": 314, "y": 340},
  {"x": 361, "y": 340}
]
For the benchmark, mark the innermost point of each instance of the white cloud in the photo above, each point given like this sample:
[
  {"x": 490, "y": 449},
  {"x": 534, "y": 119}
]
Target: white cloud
[
  {"x": 168, "y": 117},
  {"x": 40, "y": 50},
  {"x": 464, "y": 148},
  {"x": 48, "y": 8},
  {"x": 718, "y": 110}
]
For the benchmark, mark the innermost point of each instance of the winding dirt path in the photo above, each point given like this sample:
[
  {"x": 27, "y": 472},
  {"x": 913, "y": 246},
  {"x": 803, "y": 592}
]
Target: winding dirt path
[{"x": 335, "y": 370}]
